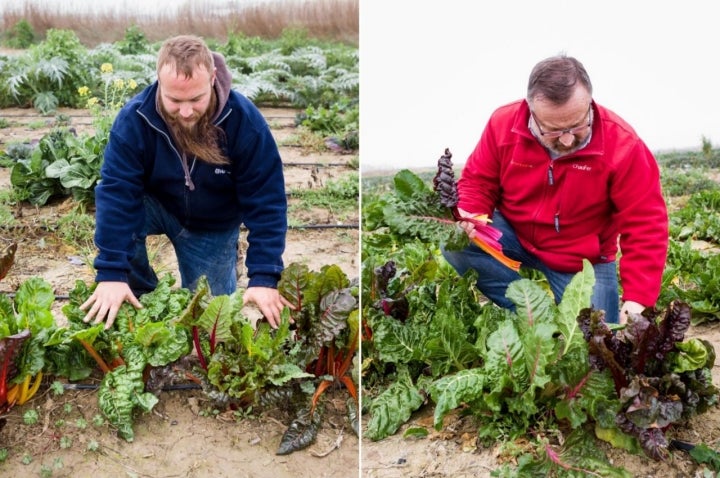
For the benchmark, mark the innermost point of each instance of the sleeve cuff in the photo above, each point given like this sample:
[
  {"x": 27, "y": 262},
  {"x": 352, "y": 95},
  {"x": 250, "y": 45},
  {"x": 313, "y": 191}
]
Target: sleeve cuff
[{"x": 264, "y": 280}]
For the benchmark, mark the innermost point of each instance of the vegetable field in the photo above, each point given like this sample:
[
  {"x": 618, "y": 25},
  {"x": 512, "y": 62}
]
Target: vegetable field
[
  {"x": 454, "y": 386},
  {"x": 160, "y": 395}
]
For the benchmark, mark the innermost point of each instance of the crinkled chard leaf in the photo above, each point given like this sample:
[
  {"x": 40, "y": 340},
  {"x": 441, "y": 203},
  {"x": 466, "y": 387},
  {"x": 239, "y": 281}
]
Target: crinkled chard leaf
[{"x": 302, "y": 431}]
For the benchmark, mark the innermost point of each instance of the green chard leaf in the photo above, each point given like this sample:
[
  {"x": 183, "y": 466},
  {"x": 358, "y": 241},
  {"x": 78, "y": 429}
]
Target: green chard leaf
[
  {"x": 450, "y": 391},
  {"x": 393, "y": 407}
]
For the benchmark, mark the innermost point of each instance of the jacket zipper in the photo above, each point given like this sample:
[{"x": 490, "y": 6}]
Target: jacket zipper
[{"x": 551, "y": 182}]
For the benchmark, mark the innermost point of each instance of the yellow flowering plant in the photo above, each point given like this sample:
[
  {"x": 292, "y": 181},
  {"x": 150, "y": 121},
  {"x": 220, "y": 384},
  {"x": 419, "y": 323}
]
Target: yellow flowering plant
[{"x": 104, "y": 105}]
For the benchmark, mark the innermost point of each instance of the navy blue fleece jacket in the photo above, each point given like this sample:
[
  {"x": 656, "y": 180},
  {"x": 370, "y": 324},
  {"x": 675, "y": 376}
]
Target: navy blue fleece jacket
[{"x": 140, "y": 158}]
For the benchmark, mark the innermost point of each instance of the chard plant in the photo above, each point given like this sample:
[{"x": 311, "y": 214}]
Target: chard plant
[
  {"x": 238, "y": 360},
  {"x": 325, "y": 315},
  {"x": 140, "y": 340},
  {"x": 25, "y": 324}
]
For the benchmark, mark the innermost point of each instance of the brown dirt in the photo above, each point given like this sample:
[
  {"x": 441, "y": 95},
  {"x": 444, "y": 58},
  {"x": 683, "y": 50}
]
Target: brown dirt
[{"x": 181, "y": 437}]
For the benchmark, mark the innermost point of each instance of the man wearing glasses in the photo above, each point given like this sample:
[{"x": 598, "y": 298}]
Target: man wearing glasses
[{"x": 566, "y": 179}]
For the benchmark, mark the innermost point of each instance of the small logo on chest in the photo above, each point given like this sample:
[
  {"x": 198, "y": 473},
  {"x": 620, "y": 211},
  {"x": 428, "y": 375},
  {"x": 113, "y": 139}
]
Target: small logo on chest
[{"x": 582, "y": 167}]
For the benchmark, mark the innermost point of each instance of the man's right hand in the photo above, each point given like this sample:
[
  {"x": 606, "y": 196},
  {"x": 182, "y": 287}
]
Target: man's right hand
[
  {"x": 106, "y": 302},
  {"x": 468, "y": 226}
]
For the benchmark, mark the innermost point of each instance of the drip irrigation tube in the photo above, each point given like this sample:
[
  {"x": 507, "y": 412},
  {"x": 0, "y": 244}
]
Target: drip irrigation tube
[
  {"x": 167, "y": 388},
  {"x": 326, "y": 226}
]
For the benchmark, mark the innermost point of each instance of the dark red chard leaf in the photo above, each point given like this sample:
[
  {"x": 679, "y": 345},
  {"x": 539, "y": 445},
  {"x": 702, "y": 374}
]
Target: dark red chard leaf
[
  {"x": 673, "y": 327},
  {"x": 485, "y": 237},
  {"x": 383, "y": 274},
  {"x": 606, "y": 351},
  {"x": 7, "y": 257},
  {"x": 652, "y": 440},
  {"x": 10, "y": 348},
  {"x": 302, "y": 432},
  {"x": 444, "y": 182},
  {"x": 640, "y": 358},
  {"x": 397, "y": 307}
]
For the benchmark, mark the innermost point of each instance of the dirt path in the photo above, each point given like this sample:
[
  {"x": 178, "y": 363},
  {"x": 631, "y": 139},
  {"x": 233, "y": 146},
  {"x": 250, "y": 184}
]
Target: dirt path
[{"x": 177, "y": 439}]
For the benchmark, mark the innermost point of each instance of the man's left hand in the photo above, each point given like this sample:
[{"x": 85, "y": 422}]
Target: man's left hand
[
  {"x": 269, "y": 301},
  {"x": 630, "y": 307}
]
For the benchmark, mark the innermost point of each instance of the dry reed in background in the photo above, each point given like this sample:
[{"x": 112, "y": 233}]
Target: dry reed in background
[{"x": 324, "y": 19}]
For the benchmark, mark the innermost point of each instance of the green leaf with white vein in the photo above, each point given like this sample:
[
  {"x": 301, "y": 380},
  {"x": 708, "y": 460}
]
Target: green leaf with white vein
[
  {"x": 393, "y": 407},
  {"x": 451, "y": 391}
]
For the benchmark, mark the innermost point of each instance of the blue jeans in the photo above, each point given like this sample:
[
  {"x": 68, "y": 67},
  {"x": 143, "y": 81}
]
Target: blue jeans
[
  {"x": 209, "y": 253},
  {"x": 494, "y": 278}
]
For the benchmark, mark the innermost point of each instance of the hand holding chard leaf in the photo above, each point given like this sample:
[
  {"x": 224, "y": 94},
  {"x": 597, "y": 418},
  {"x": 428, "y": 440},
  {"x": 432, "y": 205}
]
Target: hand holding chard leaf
[{"x": 485, "y": 237}]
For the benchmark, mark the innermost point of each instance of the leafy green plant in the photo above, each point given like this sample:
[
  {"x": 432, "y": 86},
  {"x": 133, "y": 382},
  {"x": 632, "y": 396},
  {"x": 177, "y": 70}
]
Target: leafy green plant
[
  {"x": 49, "y": 74},
  {"x": 339, "y": 196},
  {"x": 134, "y": 41},
  {"x": 704, "y": 454},
  {"x": 26, "y": 321},
  {"x": 141, "y": 339},
  {"x": 31, "y": 417},
  {"x": 28, "y": 177},
  {"x": 240, "y": 361},
  {"x": 21, "y": 35},
  {"x": 338, "y": 123},
  {"x": 325, "y": 313}
]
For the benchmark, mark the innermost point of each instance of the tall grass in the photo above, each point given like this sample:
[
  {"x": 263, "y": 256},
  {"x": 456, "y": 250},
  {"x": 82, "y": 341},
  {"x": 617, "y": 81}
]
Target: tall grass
[{"x": 336, "y": 20}]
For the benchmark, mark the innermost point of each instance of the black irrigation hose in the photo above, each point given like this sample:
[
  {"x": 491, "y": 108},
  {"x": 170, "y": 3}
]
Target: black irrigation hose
[
  {"x": 167, "y": 388},
  {"x": 682, "y": 445},
  {"x": 334, "y": 165},
  {"x": 325, "y": 226}
]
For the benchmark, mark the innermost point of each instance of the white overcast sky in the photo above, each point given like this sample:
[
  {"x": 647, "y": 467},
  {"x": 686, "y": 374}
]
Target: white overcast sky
[{"x": 432, "y": 72}]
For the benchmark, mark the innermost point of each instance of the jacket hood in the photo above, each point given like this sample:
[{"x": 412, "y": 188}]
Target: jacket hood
[{"x": 223, "y": 83}]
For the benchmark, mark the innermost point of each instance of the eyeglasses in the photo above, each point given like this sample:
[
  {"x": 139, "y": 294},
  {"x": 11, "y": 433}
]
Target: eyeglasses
[{"x": 573, "y": 131}]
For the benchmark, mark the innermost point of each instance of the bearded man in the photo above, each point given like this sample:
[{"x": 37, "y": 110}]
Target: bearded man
[{"x": 192, "y": 159}]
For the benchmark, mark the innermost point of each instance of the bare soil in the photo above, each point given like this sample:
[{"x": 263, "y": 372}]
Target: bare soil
[{"x": 182, "y": 437}]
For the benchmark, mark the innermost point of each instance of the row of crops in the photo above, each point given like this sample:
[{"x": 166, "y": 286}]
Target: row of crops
[{"x": 319, "y": 79}]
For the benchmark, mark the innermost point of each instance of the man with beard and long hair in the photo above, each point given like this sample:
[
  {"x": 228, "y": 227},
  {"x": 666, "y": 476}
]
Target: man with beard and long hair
[
  {"x": 192, "y": 159},
  {"x": 565, "y": 179}
]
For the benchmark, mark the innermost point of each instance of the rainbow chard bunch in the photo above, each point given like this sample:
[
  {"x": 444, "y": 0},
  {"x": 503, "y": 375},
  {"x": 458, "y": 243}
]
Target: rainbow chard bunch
[{"x": 484, "y": 236}]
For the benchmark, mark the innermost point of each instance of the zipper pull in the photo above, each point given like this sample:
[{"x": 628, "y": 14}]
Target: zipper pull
[
  {"x": 551, "y": 179},
  {"x": 557, "y": 222}
]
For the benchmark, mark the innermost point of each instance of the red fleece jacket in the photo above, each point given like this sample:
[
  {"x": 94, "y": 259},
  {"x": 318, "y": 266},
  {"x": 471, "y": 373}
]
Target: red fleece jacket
[{"x": 608, "y": 189}]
